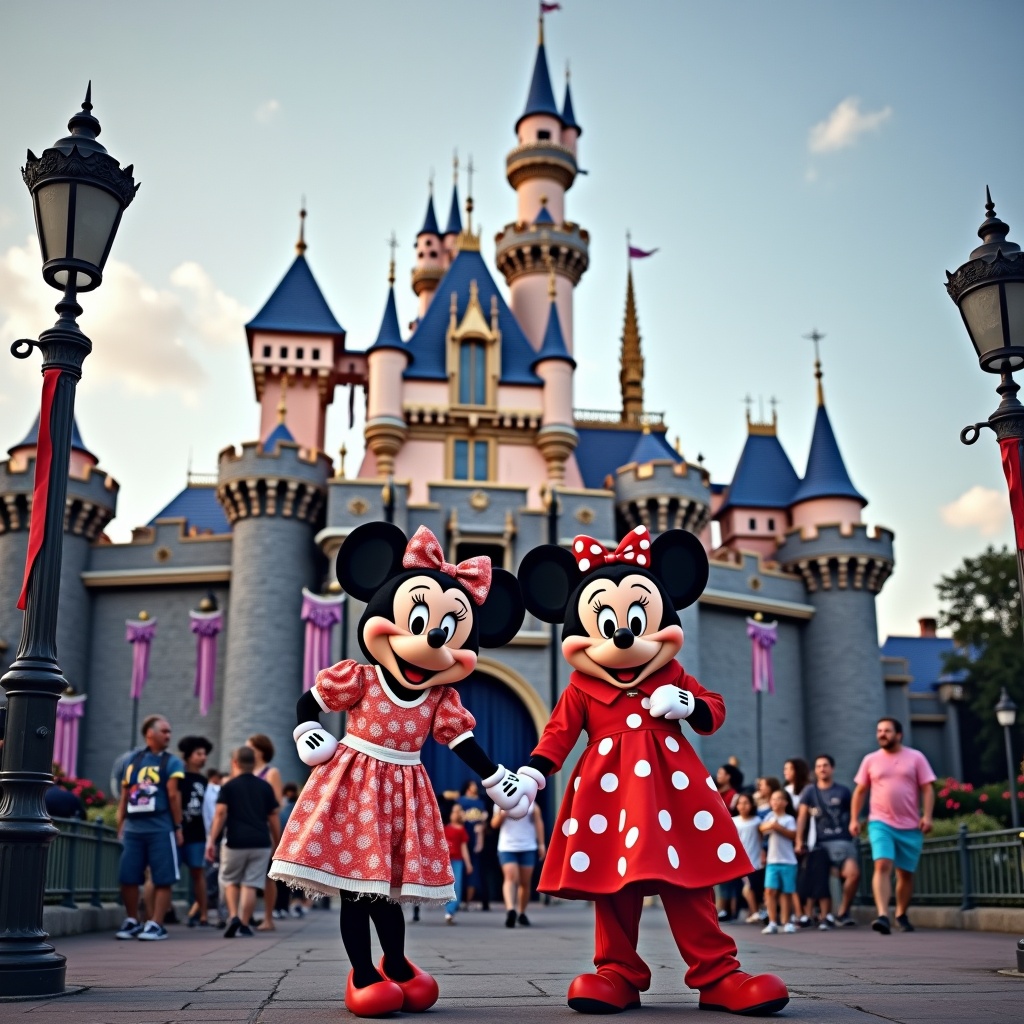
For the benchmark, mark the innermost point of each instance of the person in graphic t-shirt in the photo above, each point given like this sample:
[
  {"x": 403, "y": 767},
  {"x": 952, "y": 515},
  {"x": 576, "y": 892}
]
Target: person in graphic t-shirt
[
  {"x": 896, "y": 777},
  {"x": 149, "y": 822},
  {"x": 194, "y": 749}
]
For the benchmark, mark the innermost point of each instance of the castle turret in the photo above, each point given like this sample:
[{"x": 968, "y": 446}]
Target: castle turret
[
  {"x": 387, "y": 359},
  {"x": 295, "y": 336},
  {"x": 274, "y": 500},
  {"x": 541, "y": 169},
  {"x": 557, "y": 437},
  {"x": 431, "y": 257},
  {"x": 754, "y": 513},
  {"x": 90, "y": 505}
]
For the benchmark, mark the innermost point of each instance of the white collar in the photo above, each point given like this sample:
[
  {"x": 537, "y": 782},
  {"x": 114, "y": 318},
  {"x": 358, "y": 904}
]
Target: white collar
[{"x": 397, "y": 700}]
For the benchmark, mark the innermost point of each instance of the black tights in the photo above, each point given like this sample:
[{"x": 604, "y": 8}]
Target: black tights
[{"x": 388, "y": 919}]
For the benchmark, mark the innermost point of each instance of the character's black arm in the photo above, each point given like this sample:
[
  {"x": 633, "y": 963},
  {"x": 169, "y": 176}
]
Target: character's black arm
[
  {"x": 543, "y": 764},
  {"x": 307, "y": 709},
  {"x": 473, "y": 756},
  {"x": 700, "y": 719}
]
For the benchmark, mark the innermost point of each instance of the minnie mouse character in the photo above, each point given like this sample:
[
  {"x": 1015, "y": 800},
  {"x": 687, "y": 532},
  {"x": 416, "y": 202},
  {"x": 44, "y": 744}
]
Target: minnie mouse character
[
  {"x": 366, "y": 826},
  {"x": 641, "y": 814}
]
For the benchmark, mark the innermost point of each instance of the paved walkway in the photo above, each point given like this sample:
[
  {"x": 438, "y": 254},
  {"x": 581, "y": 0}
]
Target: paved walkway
[{"x": 296, "y": 975}]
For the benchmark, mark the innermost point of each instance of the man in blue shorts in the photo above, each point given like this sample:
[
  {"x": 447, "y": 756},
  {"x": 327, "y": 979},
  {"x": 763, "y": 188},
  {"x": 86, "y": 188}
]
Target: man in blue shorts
[{"x": 149, "y": 823}]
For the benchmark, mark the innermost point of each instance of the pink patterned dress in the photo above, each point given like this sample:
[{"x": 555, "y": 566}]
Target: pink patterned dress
[{"x": 367, "y": 821}]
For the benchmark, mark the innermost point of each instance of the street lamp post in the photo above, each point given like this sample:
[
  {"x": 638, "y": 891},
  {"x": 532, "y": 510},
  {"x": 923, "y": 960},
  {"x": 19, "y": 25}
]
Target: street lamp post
[
  {"x": 1006, "y": 716},
  {"x": 989, "y": 292},
  {"x": 79, "y": 192}
]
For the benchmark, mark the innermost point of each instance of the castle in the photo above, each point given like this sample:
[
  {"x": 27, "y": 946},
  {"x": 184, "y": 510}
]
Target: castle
[{"x": 472, "y": 429}]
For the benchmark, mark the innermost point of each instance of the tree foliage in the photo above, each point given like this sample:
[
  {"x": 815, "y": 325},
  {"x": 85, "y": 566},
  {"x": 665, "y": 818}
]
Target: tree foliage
[{"x": 982, "y": 609}]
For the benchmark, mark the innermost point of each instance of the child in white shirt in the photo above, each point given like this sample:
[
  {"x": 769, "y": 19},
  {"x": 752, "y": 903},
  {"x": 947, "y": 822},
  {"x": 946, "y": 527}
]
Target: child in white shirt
[
  {"x": 748, "y": 825},
  {"x": 780, "y": 873}
]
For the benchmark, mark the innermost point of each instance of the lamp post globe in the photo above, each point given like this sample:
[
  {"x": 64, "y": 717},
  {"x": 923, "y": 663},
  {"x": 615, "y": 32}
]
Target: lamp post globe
[
  {"x": 79, "y": 193},
  {"x": 1006, "y": 716},
  {"x": 1006, "y": 710}
]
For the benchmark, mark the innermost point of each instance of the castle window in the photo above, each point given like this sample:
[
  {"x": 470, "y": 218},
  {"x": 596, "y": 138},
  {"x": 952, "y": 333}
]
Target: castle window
[
  {"x": 471, "y": 460},
  {"x": 300, "y": 353},
  {"x": 266, "y": 351},
  {"x": 543, "y": 134},
  {"x": 771, "y": 524},
  {"x": 316, "y": 353},
  {"x": 472, "y": 374},
  {"x": 753, "y": 524},
  {"x": 284, "y": 351}
]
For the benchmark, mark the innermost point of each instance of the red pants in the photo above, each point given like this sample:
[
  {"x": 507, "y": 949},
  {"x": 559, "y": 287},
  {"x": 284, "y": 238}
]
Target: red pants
[{"x": 709, "y": 953}]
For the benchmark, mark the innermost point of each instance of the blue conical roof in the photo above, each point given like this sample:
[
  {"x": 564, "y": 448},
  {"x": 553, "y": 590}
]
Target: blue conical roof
[
  {"x": 390, "y": 334},
  {"x": 429, "y": 220},
  {"x": 553, "y": 345},
  {"x": 568, "y": 114},
  {"x": 297, "y": 304},
  {"x": 650, "y": 447},
  {"x": 764, "y": 477},
  {"x": 32, "y": 438},
  {"x": 278, "y": 434},
  {"x": 541, "y": 98},
  {"x": 826, "y": 475},
  {"x": 544, "y": 217},
  {"x": 454, "y": 217}
]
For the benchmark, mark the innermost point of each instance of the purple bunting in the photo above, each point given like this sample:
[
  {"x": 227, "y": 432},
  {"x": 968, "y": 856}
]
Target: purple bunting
[
  {"x": 140, "y": 635},
  {"x": 65, "y": 738},
  {"x": 206, "y": 626},
  {"x": 321, "y": 613},
  {"x": 763, "y": 637}
]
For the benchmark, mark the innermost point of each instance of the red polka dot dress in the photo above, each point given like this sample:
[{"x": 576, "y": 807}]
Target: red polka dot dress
[
  {"x": 367, "y": 820},
  {"x": 640, "y": 806}
]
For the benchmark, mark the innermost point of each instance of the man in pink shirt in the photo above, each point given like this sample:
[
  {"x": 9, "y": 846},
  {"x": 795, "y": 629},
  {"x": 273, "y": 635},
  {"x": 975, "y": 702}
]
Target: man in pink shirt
[{"x": 894, "y": 774}]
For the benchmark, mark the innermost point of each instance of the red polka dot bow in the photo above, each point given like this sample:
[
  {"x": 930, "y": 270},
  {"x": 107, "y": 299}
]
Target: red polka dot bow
[
  {"x": 633, "y": 549},
  {"x": 424, "y": 552}
]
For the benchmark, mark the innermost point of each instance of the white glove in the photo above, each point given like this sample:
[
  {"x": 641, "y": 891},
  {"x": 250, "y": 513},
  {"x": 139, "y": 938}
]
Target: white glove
[
  {"x": 514, "y": 792},
  {"x": 315, "y": 746},
  {"x": 670, "y": 702}
]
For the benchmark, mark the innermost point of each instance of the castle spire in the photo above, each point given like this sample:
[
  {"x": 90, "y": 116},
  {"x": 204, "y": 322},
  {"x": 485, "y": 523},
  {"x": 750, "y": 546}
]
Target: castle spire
[
  {"x": 541, "y": 97},
  {"x": 568, "y": 114},
  {"x": 300, "y": 245},
  {"x": 454, "y": 225},
  {"x": 631, "y": 373},
  {"x": 430, "y": 218},
  {"x": 390, "y": 334},
  {"x": 817, "y": 336}
]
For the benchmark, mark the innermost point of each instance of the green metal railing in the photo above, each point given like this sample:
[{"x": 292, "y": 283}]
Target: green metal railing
[
  {"x": 82, "y": 865},
  {"x": 972, "y": 869}
]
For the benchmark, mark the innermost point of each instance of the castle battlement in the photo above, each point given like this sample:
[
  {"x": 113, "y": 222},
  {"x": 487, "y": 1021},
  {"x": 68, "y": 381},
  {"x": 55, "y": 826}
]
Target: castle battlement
[
  {"x": 663, "y": 494},
  {"x": 522, "y": 249},
  {"x": 840, "y": 556}
]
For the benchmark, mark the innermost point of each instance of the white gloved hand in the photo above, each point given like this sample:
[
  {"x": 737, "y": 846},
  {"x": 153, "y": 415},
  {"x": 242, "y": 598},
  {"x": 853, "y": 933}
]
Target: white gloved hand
[
  {"x": 670, "y": 702},
  {"x": 314, "y": 745},
  {"x": 514, "y": 792}
]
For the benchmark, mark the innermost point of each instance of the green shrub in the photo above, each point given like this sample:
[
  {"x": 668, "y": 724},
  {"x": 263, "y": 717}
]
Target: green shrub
[
  {"x": 955, "y": 799},
  {"x": 977, "y": 822}
]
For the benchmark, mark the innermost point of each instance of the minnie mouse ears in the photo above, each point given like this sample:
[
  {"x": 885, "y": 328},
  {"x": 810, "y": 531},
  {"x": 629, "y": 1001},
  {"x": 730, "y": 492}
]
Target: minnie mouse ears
[
  {"x": 371, "y": 555},
  {"x": 549, "y": 574}
]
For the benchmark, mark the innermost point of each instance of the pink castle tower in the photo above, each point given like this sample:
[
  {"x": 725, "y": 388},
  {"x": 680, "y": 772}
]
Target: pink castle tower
[
  {"x": 541, "y": 169},
  {"x": 297, "y": 345}
]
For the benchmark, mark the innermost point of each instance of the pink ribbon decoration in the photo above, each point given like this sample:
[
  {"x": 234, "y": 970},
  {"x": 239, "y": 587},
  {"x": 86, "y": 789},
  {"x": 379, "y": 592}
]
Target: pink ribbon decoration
[
  {"x": 321, "y": 613},
  {"x": 140, "y": 636},
  {"x": 633, "y": 549},
  {"x": 65, "y": 738},
  {"x": 206, "y": 626},
  {"x": 763, "y": 637},
  {"x": 424, "y": 552}
]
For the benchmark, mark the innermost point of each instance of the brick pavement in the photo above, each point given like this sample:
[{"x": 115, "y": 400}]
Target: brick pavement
[{"x": 489, "y": 973}]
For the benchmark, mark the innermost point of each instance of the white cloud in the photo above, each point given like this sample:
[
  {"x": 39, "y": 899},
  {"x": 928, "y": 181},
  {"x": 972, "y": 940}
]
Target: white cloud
[
  {"x": 267, "y": 111},
  {"x": 844, "y": 126},
  {"x": 147, "y": 338},
  {"x": 983, "y": 508}
]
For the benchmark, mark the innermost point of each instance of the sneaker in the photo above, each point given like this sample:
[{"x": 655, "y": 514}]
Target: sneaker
[
  {"x": 762, "y": 915},
  {"x": 448, "y": 919},
  {"x": 524, "y": 920},
  {"x": 232, "y": 929},
  {"x": 723, "y": 915},
  {"x": 828, "y": 922},
  {"x": 510, "y": 919},
  {"x": 804, "y": 921},
  {"x": 754, "y": 918},
  {"x": 789, "y": 928},
  {"x": 245, "y": 931},
  {"x": 153, "y": 932},
  {"x": 881, "y": 925},
  {"x": 904, "y": 924},
  {"x": 298, "y": 910},
  {"x": 845, "y": 921},
  {"x": 771, "y": 928},
  {"x": 130, "y": 929}
]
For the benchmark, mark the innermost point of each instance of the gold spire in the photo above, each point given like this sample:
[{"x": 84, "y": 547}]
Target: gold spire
[
  {"x": 631, "y": 374},
  {"x": 455, "y": 168},
  {"x": 540, "y": 27},
  {"x": 342, "y": 452},
  {"x": 282, "y": 408},
  {"x": 300, "y": 245},
  {"x": 552, "y": 290},
  {"x": 817, "y": 336},
  {"x": 467, "y": 240},
  {"x": 393, "y": 244}
]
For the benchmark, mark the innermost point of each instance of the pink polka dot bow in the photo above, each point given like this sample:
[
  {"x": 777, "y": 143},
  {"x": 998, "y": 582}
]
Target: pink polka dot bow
[
  {"x": 424, "y": 552},
  {"x": 633, "y": 549}
]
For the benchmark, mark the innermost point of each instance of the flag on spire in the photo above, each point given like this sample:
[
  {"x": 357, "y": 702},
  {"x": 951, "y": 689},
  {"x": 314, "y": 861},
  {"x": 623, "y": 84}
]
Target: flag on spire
[
  {"x": 640, "y": 254},
  {"x": 546, "y": 8}
]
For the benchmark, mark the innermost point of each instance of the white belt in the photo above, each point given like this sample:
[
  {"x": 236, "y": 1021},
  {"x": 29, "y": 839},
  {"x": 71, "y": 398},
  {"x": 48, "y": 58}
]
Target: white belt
[{"x": 381, "y": 753}]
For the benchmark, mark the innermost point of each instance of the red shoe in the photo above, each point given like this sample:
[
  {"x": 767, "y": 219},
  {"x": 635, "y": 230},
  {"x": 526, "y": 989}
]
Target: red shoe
[
  {"x": 753, "y": 995},
  {"x": 419, "y": 993},
  {"x": 376, "y": 1000},
  {"x": 604, "y": 992}
]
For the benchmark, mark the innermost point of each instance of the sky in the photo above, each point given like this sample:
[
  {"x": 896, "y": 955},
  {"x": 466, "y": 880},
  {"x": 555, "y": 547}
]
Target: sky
[{"x": 798, "y": 165}]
